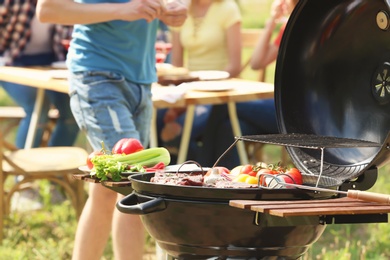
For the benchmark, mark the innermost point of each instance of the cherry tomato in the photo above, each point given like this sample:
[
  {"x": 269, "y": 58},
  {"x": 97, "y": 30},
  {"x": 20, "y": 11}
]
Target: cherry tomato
[
  {"x": 285, "y": 178},
  {"x": 249, "y": 169},
  {"x": 127, "y": 146},
  {"x": 295, "y": 175},
  {"x": 90, "y": 156},
  {"x": 267, "y": 171}
]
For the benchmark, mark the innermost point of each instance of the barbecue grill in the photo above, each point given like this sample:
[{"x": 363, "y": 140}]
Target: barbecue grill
[{"x": 332, "y": 93}]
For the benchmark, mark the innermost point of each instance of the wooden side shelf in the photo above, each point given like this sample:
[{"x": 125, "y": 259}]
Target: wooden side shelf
[
  {"x": 339, "y": 206},
  {"x": 88, "y": 178},
  {"x": 85, "y": 177},
  {"x": 122, "y": 187}
]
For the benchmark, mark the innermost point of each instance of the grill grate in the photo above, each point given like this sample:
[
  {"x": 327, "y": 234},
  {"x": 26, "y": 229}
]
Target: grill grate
[{"x": 308, "y": 141}]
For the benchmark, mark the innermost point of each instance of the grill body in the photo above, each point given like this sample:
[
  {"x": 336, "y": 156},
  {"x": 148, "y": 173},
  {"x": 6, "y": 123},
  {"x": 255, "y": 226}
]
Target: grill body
[{"x": 332, "y": 80}]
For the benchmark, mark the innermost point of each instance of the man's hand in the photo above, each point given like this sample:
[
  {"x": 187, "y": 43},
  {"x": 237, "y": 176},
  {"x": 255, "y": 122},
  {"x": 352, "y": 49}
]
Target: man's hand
[
  {"x": 142, "y": 9},
  {"x": 175, "y": 13}
]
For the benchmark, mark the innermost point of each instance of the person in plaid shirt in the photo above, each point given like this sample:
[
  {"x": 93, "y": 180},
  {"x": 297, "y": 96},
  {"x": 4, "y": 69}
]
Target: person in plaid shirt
[{"x": 24, "y": 41}]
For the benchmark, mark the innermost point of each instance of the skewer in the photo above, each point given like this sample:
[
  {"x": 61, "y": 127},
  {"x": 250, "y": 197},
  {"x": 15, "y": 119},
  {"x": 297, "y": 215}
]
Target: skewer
[{"x": 353, "y": 194}]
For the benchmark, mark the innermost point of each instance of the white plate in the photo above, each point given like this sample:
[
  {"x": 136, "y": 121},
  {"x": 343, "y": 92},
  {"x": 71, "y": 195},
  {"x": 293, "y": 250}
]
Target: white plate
[
  {"x": 85, "y": 169},
  {"x": 163, "y": 66},
  {"x": 209, "y": 86},
  {"x": 210, "y": 74},
  {"x": 59, "y": 65}
]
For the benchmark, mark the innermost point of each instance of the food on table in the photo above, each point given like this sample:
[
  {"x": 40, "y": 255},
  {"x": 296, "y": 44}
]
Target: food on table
[
  {"x": 160, "y": 57},
  {"x": 170, "y": 70},
  {"x": 65, "y": 43}
]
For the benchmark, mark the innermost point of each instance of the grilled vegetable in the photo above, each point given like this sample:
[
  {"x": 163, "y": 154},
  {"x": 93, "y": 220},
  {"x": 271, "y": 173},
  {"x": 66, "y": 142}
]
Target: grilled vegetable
[{"x": 112, "y": 165}]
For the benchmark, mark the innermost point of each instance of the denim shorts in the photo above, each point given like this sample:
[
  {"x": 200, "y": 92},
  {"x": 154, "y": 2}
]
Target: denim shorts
[{"x": 107, "y": 107}]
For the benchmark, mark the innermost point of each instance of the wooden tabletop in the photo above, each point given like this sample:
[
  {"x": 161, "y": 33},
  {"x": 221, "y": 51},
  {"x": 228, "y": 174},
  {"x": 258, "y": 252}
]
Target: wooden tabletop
[
  {"x": 243, "y": 90},
  {"x": 232, "y": 91},
  {"x": 339, "y": 206},
  {"x": 34, "y": 77}
]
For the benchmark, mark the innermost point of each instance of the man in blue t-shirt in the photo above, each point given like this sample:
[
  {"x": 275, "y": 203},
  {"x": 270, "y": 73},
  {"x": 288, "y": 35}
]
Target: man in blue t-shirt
[{"x": 112, "y": 63}]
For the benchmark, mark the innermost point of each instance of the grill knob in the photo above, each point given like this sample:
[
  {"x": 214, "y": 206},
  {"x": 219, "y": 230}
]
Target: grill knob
[{"x": 382, "y": 20}]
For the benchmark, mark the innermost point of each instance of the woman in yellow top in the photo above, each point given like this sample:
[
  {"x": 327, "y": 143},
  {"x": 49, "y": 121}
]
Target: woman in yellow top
[
  {"x": 256, "y": 117},
  {"x": 211, "y": 40}
]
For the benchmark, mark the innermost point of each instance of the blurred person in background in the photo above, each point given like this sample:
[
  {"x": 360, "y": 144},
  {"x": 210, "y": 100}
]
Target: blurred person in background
[
  {"x": 112, "y": 64},
  {"x": 210, "y": 39},
  {"x": 266, "y": 50},
  {"x": 27, "y": 42},
  {"x": 163, "y": 41},
  {"x": 255, "y": 117}
]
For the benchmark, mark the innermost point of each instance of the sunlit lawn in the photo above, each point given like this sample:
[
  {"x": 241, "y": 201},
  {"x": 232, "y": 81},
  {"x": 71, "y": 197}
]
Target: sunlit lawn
[{"x": 49, "y": 233}]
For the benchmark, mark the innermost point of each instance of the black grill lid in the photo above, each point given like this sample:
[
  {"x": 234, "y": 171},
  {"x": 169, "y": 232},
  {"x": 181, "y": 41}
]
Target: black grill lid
[{"x": 333, "y": 79}]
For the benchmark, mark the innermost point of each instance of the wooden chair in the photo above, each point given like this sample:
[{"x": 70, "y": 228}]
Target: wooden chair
[
  {"x": 56, "y": 164},
  {"x": 10, "y": 117},
  {"x": 249, "y": 38}
]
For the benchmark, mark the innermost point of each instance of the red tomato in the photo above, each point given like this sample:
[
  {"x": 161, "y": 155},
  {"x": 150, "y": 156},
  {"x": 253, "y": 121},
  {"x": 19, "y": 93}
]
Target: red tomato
[
  {"x": 249, "y": 169},
  {"x": 90, "y": 156},
  {"x": 286, "y": 178},
  {"x": 127, "y": 146},
  {"x": 267, "y": 171},
  {"x": 295, "y": 175}
]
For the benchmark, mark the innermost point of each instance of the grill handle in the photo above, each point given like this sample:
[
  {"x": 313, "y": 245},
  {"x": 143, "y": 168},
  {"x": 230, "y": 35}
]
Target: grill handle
[
  {"x": 369, "y": 196},
  {"x": 137, "y": 204}
]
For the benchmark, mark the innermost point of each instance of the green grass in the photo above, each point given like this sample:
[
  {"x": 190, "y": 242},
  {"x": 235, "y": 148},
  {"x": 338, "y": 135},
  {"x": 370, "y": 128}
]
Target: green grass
[
  {"x": 49, "y": 233},
  {"x": 356, "y": 241}
]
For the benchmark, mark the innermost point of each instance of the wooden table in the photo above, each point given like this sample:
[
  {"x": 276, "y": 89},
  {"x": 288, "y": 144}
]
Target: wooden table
[
  {"x": 243, "y": 90},
  {"x": 40, "y": 79}
]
